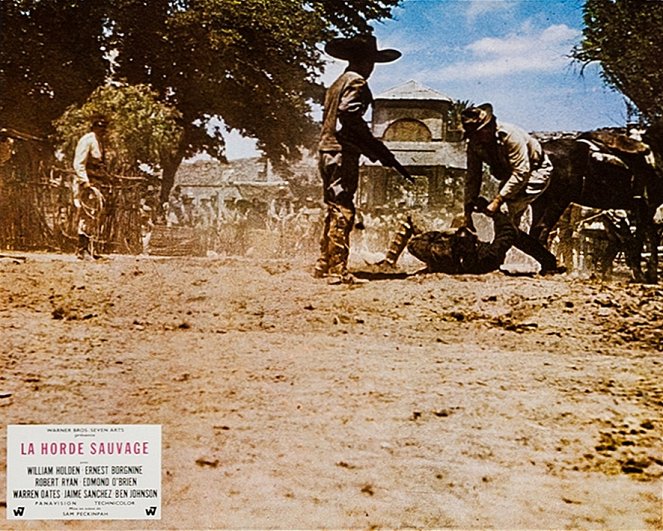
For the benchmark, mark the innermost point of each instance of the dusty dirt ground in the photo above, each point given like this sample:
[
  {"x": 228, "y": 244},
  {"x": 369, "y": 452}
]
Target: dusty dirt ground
[{"x": 427, "y": 401}]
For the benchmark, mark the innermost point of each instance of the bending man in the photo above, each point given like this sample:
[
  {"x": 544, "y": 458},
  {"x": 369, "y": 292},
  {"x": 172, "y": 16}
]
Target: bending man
[{"x": 518, "y": 162}]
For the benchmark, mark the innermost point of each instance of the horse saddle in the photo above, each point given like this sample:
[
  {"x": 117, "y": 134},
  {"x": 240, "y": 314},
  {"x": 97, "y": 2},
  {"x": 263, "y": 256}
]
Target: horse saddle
[
  {"x": 614, "y": 160},
  {"x": 613, "y": 148}
]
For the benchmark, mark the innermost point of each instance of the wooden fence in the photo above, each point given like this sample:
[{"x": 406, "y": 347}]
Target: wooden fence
[{"x": 37, "y": 210}]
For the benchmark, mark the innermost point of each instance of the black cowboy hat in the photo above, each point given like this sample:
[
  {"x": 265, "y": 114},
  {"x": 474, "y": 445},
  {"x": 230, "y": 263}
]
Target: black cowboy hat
[
  {"x": 475, "y": 118},
  {"x": 360, "y": 47}
]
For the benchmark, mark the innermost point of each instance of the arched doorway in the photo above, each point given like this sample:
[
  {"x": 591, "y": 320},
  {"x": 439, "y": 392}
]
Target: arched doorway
[{"x": 407, "y": 130}]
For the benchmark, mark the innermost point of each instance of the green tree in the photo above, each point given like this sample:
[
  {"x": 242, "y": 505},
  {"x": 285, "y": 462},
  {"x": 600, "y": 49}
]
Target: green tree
[
  {"x": 51, "y": 56},
  {"x": 254, "y": 63},
  {"x": 454, "y": 115},
  {"x": 143, "y": 130},
  {"x": 625, "y": 37}
]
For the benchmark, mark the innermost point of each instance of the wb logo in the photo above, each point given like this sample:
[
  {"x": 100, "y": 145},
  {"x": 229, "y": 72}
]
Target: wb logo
[
  {"x": 151, "y": 511},
  {"x": 19, "y": 511}
]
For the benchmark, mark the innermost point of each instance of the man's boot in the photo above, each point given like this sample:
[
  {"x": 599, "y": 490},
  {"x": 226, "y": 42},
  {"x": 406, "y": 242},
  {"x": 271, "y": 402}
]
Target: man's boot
[
  {"x": 341, "y": 221},
  {"x": 321, "y": 268},
  {"x": 534, "y": 248},
  {"x": 399, "y": 242},
  {"x": 397, "y": 245}
]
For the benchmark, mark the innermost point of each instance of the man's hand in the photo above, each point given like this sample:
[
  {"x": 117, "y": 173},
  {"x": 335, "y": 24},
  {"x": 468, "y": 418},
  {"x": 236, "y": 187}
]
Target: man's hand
[{"x": 494, "y": 205}]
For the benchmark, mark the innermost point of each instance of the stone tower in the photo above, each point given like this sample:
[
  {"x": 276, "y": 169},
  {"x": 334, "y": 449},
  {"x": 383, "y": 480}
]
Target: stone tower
[
  {"x": 411, "y": 113},
  {"x": 414, "y": 122}
]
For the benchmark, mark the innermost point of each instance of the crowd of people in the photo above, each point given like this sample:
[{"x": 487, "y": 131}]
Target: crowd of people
[
  {"x": 239, "y": 226},
  {"x": 283, "y": 225}
]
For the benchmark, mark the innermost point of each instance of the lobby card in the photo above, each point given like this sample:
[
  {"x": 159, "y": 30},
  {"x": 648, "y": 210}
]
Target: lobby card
[{"x": 84, "y": 472}]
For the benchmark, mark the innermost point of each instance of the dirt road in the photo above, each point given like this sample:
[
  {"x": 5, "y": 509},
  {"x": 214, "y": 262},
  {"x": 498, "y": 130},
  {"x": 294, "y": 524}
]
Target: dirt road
[{"x": 429, "y": 401}]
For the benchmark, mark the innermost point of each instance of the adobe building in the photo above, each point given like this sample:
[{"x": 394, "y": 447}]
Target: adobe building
[{"x": 419, "y": 125}]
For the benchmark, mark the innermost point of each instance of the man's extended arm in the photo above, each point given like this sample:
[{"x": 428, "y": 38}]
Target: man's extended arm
[{"x": 355, "y": 131}]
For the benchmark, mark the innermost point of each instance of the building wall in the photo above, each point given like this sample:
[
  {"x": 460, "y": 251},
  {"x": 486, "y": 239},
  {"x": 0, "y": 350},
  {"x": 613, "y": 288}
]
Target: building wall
[
  {"x": 417, "y": 131},
  {"x": 432, "y": 114},
  {"x": 435, "y": 187},
  {"x": 407, "y": 130}
]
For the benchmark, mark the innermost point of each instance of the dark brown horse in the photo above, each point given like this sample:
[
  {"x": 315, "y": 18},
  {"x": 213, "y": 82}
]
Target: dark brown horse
[{"x": 605, "y": 170}]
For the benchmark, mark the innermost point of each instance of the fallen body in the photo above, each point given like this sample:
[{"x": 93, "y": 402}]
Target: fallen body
[{"x": 459, "y": 251}]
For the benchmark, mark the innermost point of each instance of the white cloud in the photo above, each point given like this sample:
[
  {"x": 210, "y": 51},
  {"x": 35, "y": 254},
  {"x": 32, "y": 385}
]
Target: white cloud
[
  {"x": 546, "y": 51},
  {"x": 478, "y": 8}
]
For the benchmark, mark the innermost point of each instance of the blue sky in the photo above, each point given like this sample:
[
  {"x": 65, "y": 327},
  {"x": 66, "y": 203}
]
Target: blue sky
[{"x": 512, "y": 53}]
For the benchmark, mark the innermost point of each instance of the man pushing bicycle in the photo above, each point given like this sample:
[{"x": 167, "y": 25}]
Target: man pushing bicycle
[{"x": 89, "y": 166}]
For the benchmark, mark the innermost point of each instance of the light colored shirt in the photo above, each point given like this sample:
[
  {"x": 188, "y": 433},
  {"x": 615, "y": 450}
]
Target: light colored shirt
[
  {"x": 517, "y": 154},
  {"x": 88, "y": 146}
]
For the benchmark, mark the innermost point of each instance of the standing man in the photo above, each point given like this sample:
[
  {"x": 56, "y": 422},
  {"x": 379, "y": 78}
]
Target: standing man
[
  {"x": 518, "y": 162},
  {"x": 89, "y": 163},
  {"x": 345, "y": 136}
]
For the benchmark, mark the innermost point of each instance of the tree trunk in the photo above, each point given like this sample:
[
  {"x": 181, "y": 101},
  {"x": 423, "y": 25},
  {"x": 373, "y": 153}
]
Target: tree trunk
[{"x": 170, "y": 163}]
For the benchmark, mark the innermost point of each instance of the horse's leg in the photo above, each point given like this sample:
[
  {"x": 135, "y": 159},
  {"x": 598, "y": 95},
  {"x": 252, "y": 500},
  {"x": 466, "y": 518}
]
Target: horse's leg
[
  {"x": 651, "y": 236},
  {"x": 646, "y": 189},
  {"x": 638, "y": 240},
  {"x": 611, "y": 248},
  {"x": 544, "y": 220},
  {"x": 609, "y": 256},
  {"x": 633, "y": 256},
  {"x": 538, "y": 209}
]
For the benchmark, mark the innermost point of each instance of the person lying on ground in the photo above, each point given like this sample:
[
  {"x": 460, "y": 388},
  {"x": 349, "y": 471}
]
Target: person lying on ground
[{"x": 459, "y": 251}]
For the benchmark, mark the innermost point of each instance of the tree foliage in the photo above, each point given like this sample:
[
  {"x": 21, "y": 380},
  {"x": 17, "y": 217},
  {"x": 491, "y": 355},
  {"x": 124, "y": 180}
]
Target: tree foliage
[
  {"x": 51, "y": 56},
  {"x": 455, "y": 111},
  {"x": 625, "y": 37},
  {"x": 143, "y": 130},
  {"x": 254, "y": 63}
]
